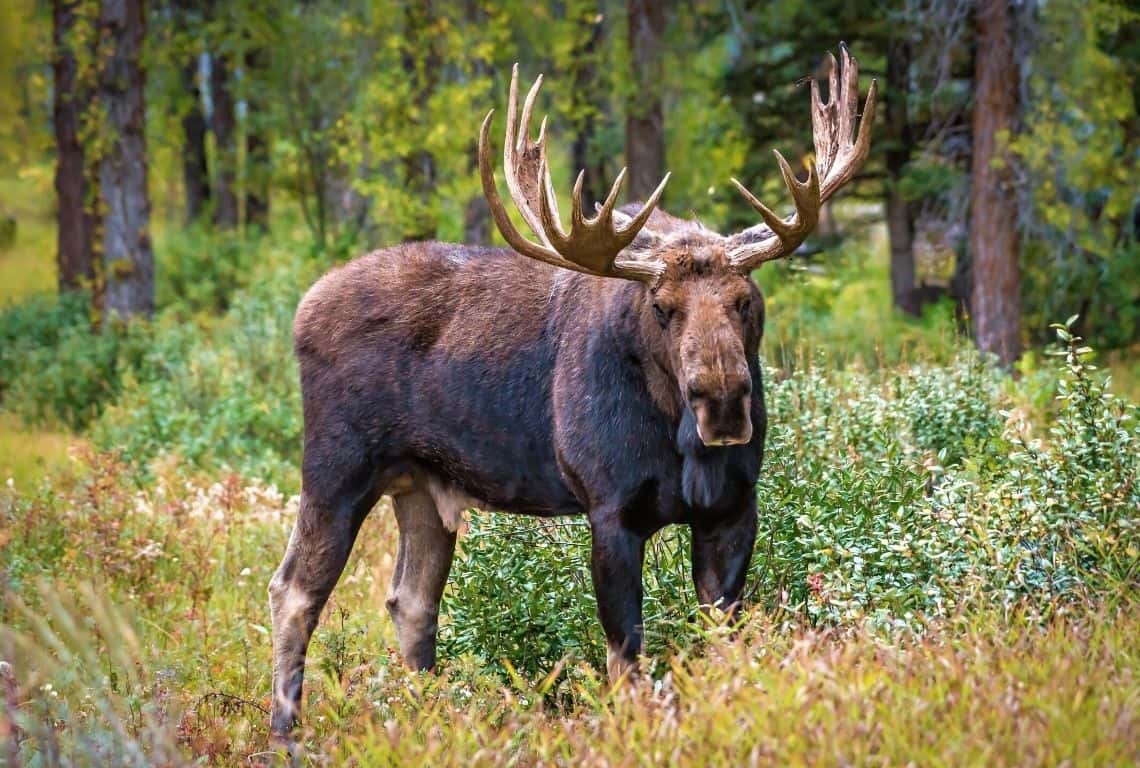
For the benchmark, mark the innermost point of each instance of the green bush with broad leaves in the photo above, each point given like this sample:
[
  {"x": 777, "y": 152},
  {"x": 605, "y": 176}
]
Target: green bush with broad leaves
[{"x": 897, "y": 498}]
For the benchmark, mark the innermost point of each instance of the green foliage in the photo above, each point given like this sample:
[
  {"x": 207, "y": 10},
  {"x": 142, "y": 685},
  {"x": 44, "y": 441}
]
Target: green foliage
[
  {"x": 551, "y": 611},
  {"x": 54, "y": 367},
  {"x": 1078, "y": 153},
  {"x": 900, "y": 498},
  {"x": 839, "y": 308},
  {"x": 200, "y": 271},
  {"x": 225, "y": 395}
]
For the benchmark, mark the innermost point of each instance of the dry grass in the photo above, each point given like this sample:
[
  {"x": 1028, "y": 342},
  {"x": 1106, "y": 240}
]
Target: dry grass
[{"x": 166, "y": 661}]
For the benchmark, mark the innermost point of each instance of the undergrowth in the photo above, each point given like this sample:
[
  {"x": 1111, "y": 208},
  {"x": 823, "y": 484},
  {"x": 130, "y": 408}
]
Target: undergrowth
[{"x": 937, "y": 557}]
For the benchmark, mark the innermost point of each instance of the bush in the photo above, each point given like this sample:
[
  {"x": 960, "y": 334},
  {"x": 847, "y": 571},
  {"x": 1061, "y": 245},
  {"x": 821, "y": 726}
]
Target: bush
[
  {"x": 224, "y": 398},
  {"x": 201, "y": 271},
  {"x": 891, "y": 498},
  {"x": 520, "y": 590},
  {"x": 55, "y": 368},
  {"x": 36, "y": 323}
]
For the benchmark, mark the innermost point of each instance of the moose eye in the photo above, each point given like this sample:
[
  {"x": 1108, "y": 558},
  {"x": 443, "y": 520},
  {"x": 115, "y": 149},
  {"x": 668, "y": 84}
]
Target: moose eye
[
  {"x": 743, "y": 307},
  {"x": 661, "y": 314}
]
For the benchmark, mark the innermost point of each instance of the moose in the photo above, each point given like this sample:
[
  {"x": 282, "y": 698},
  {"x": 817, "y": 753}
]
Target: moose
[{"x": 611, "y": 371}]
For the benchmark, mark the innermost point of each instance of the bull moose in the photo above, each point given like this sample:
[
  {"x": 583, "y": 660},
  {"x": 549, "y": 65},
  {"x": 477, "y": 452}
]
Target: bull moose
[{"x": 610, "y": 370}]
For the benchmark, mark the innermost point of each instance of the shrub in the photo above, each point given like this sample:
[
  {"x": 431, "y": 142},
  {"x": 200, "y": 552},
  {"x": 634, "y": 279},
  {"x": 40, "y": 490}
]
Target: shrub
[
  {"x": 894, "y": 498},
  {"x": 55, "y": 368},
  {"x": 520, "y": 590},
  {"x": 35, "y": 323},
  {"x": 201, "y": 271},
  {"x": 224, "y": 399}
]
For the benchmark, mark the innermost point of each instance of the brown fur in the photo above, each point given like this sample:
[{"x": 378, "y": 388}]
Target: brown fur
[{"x": 450, "y": 376}]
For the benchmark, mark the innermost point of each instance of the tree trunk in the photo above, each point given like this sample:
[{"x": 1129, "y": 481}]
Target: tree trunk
[
  {"x": 256, "y": 147},
  {"x": 996, "y": 293},
  {"x": 645, "y": 118},
  {"x": 75, "y": 223},
  {"x": 419, "y": 165},
  {"x": 195, "y": 169},
  {"x": 587, "y": 99},
  {"x": 900, "y": 217},
  {"x": 477, "y": 212},
  {"x": 223, "y": 123},
  {"x": 128, "y": 271}
]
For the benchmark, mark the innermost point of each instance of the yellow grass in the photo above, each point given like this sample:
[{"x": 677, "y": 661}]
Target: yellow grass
[
  {"x": 28, "y": 265},
  {"x": 27, "y": 455}
]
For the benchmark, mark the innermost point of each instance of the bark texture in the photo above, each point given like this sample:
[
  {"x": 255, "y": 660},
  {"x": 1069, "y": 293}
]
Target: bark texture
[
  {"x": 995, "y": 304},
  {"x": 587, "y": 102},
  {"x": 75, "y": 222},
  {"x": 423, "y": 73},
  {"x": 256, "y": 145},
  {"x": 645, "y": 118},
  {"x": 128, "y": 273},
  {"x": 900, "y": 143}
]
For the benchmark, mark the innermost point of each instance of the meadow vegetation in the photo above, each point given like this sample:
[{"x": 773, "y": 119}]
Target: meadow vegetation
[
  {"x": 945, "y": 572},
  {"x": 948, "y": 558}
]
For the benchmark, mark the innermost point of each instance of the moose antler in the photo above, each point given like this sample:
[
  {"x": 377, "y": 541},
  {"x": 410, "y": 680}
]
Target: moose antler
[
  {"x": 592, "y": 245},
  {"x": 837, "y": 157}
]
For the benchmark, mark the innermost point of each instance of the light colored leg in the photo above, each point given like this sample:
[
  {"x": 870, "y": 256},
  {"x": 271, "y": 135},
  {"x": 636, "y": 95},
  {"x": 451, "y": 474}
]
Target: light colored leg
[{"x": 318, "y": 550}]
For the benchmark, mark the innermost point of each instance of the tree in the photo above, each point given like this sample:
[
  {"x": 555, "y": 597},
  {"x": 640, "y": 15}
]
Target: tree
[
  {"x": 128, "y": 272},
  {"x": 588, "y": 107},
  {"x": 195, "y": 169},
  {"x": 645, "y": 116},
  {"x": 257, "y": 168},
  {"x": 421, "y": 64},
  {"x": 995, "y": 304},
  {"x": 900, "y": 145},
  {"x": 75, "y": 222},
  {"x": 223, "y": 123}
]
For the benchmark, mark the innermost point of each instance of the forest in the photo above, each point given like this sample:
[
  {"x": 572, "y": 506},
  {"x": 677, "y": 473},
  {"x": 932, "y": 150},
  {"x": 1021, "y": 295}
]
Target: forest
[{"x": 948, "y": 552}]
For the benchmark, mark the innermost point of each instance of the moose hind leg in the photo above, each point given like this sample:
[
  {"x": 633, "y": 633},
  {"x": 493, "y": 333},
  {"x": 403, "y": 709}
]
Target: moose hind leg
[
  {"x": 423, "y": 561},
  {"x": 318, "y": 549}
]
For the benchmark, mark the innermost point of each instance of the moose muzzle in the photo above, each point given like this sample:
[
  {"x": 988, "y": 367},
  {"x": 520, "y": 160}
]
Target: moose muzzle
[{"x": 723, "y": 418}]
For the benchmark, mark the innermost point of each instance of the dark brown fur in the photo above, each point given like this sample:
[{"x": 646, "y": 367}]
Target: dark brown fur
[{"x": 450, "y": 376}]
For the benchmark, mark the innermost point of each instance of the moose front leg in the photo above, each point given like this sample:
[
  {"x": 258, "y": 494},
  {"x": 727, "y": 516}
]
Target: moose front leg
[
  {"x": 615, "y": 566},
  {"x": 721, "y": 554}
]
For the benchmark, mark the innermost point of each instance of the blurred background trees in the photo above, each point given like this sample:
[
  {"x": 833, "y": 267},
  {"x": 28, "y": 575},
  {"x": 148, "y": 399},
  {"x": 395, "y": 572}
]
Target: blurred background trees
[{"x": 1003, "y": 169}]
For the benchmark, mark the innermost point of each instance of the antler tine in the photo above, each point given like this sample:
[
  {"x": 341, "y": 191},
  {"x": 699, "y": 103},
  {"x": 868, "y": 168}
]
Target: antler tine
[
  {"x": 521, "y": 154},
  {"x": 592, "y": 245},
  {"x": 605, "y": 211},
  {"x": 528, "y": 108},
  {"x": 839, "y": 151},
  {"x": 637, "y": 222},
  {"x": 838, "y": 155},
  {"x": 787, "y": 234}
]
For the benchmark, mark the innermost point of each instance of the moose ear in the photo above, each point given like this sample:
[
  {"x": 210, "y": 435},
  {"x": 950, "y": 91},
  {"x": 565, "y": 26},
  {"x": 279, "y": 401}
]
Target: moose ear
[
  {"x": 643, "y": 246},
  {"x": 646, "y": 241}
]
